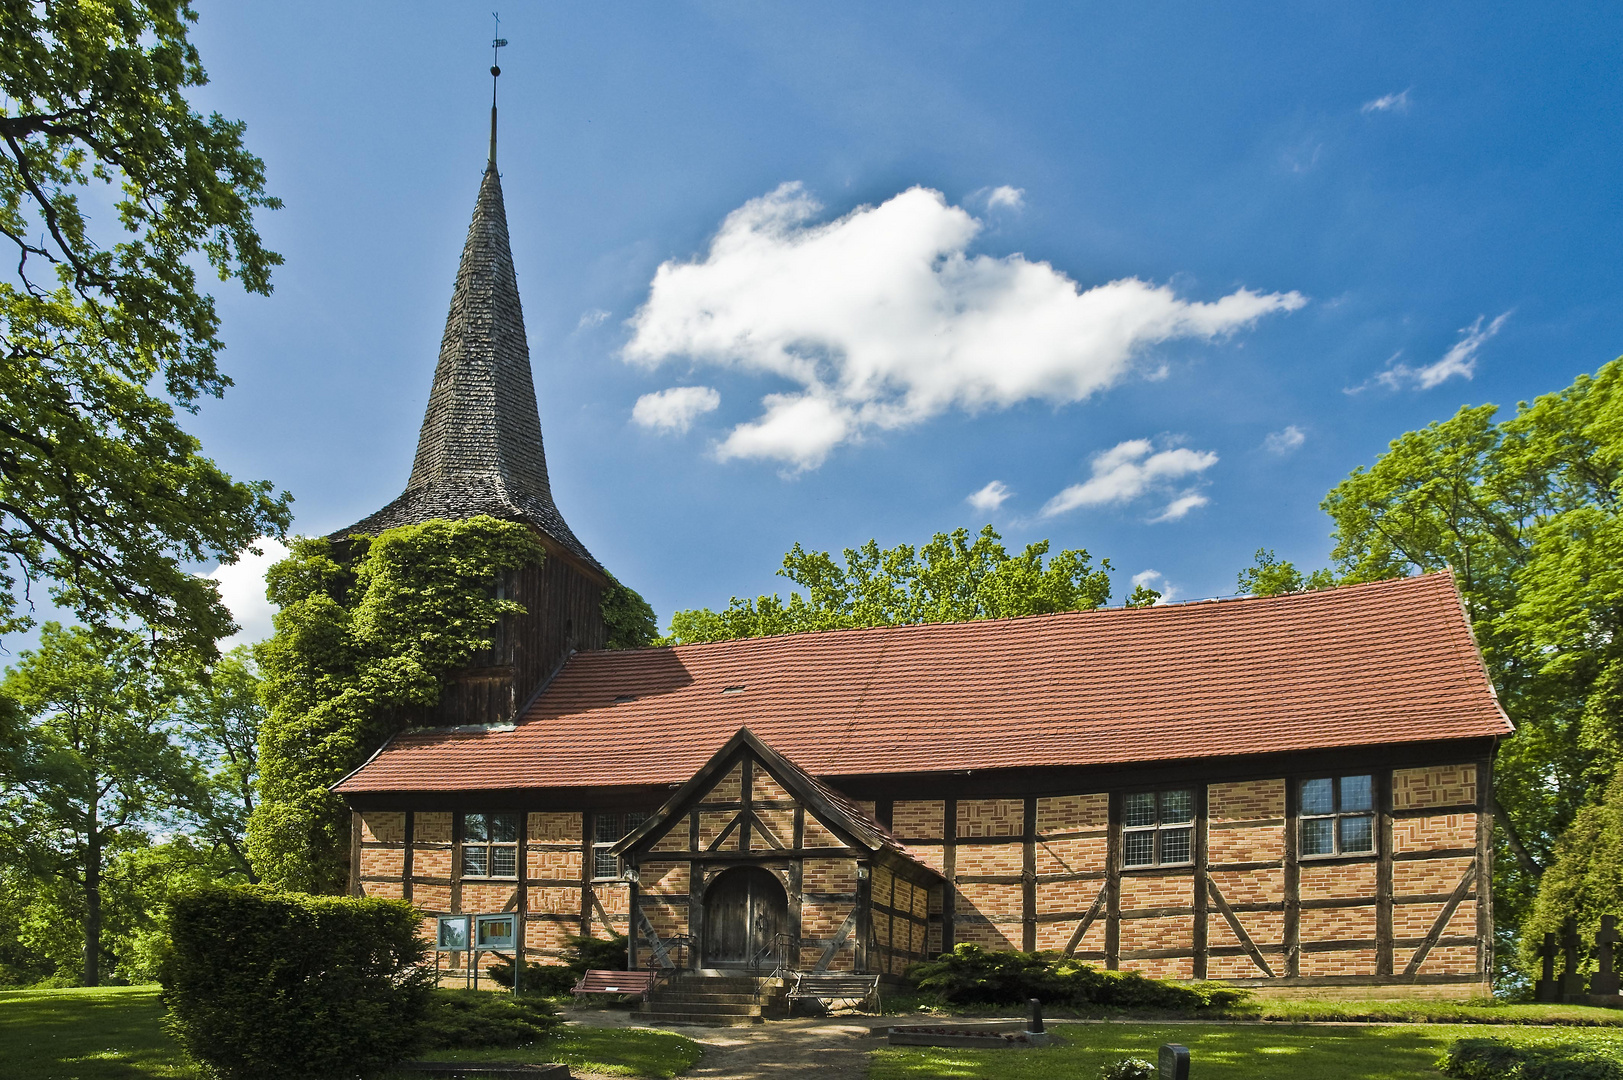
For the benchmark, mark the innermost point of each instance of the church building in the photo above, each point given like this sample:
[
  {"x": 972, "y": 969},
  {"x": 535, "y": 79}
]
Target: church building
[{"x": 1288, "y": 791}]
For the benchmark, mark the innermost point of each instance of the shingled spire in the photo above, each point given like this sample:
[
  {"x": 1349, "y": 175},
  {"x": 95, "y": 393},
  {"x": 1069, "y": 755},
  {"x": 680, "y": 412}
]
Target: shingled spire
[{"x": 480, "y": 449}]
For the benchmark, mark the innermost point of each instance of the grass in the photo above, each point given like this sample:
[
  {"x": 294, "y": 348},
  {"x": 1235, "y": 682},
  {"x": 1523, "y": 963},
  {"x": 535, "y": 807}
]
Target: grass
[
  {"x": 1225, "y": 1052},
  {"x": 115, "y": 1033},
  {"x": 1298, "y": 1010}
]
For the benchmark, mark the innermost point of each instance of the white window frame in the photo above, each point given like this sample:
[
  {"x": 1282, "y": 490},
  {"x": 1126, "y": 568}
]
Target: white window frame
[
  {"x": 490, "y": 847},
  {"x": 1159, "y": 828},
  {"x": 1337, "y": 817}
]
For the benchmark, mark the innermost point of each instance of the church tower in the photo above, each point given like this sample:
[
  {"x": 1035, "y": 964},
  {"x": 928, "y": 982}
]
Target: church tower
[{"x": 480, "y": 452}]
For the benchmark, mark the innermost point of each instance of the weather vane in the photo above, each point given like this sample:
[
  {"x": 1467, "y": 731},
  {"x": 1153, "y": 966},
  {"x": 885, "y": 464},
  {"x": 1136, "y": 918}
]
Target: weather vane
[{"x": 495, "y": 72}]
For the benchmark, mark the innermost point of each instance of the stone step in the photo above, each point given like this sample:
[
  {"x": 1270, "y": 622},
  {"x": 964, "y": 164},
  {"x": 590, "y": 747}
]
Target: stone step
[
  {"x": 707, "y": 1007},
  {"x": 672, "y": 997},
  {"x": 700, "y": 1019}
]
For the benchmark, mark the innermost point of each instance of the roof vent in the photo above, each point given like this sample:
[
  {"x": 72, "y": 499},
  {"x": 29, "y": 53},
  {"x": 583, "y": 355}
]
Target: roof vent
[
  {"x": 622, "y": 698},
  {"x": 732, "y": 690}
]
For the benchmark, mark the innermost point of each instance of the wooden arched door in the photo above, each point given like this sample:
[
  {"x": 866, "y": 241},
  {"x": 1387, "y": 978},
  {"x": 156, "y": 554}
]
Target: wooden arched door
[{"x": 745, "y": 909}]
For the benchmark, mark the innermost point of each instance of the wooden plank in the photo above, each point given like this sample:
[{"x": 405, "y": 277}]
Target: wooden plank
[
  {"x": 862, "y": 915},
  {"x": 746, "y": 816},
  {"x": 406, "y": 860},
  {"x": 1028, "y": 875},
  {"x": 1246, "y": 943},
  {"x": 1384, "y": 841},
  {"x": 1113, "y": 886},
  {"x": 1199, "y": 930},
  {"x": 1484, "y": 868},
  {"x": 1430, "y": 941},
  {"x": 949, "y": 869},
  {"x": 587, "y": 861},
  {"x": 1437, "y": 811},
  {"x": 766, "y": 832},
  {"x": 1435, "y": 853},
  {"x": 834, "y": 945},
  {"x": 696, "y": 903},
  {"x": 521, "y": 891},
  {"x": 721, "y": 837},
  {"x": 1292, "y": 931},
  {"x": 884, "y": 811},
  {"x": 1087, "y": 920},
  {"x": 797, "y": 884},
  {"x": 355, "y": 853},
  {"x": 456, "y": 864}
]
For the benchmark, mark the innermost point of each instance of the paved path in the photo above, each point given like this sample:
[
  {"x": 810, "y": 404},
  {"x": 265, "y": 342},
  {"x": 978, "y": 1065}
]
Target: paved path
[{"x": 818, "y": 1048}]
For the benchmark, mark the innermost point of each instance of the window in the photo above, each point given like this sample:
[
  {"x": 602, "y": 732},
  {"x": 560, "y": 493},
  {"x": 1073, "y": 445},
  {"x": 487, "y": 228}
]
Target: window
[
  {"x": 1338, "y": 815},
  {"x": 1157, "y": 827},
  {"x": 609, "y": 829},
  {"x": 489, "y": 845}
]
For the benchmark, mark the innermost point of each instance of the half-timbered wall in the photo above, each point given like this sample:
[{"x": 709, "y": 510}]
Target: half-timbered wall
[{"x": 1031, "y": 872}]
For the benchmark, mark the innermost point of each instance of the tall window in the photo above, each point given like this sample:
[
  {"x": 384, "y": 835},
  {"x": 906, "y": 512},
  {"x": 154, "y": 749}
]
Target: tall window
[
  {"x": 489, "y": 845},
  {"x": 609, "y": 829},
  {"x": 1157, "y": 827},
  {"x": 1338, "y": 815}
]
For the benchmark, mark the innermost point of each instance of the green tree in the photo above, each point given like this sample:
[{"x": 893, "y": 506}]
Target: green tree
[
  {"x": 86, "y": 763},
  {"x": 949, "y": 579},
  {"x": 220, "y": 715},
  {"x": 104, "y": 331},
  {"x": 1525, "y": 513},
  {"x": 1270, "y": 576}
]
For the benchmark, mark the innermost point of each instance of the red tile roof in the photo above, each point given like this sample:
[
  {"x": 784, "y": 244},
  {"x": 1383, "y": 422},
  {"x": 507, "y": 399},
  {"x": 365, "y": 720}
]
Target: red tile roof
[{"x": 1386, "y": 662}]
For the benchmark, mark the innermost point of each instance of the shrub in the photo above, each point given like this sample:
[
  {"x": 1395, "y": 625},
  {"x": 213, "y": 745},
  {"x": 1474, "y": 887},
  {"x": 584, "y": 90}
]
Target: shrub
[
  {"x": 1128, "y": 1069},
  {"x": 599, "y": 954},
  {"x": 1490, "y": 1059},
  {"x": 262, "y": 985},
  {"x": 470, "y": 1019},
  {"x": 972, "y": 975},
  {"x": 546, "y": 979}
]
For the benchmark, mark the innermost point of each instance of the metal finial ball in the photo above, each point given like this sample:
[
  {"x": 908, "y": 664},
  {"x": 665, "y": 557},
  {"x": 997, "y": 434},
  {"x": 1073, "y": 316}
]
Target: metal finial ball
[{"x": 495, "y": 71}]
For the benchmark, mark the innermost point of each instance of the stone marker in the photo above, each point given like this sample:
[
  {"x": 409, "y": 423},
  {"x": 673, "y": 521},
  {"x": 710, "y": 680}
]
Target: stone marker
[
  {"x": 1174, "y": 1062},
  {"x": 1036, "y": 1023},
  {"x": 1572, "y": 983},
  {"x": 1545, "y": 989},
  {"x": 1605, "y": 980}
]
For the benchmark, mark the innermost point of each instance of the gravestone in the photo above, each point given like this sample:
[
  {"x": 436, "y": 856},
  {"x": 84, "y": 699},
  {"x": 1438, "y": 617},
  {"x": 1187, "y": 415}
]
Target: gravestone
[
  {"x": 1545, "y": 989},
  {"x": 1572, "y": 983},
  {"x": 1174, "y": 1062},
  {"x": 1605, "y": 980}
]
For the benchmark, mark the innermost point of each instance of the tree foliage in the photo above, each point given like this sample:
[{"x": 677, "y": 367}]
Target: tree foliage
[
  {"x": 628, "y": 618},
  {"x": 1525, "y": 512},
  {"x": 220, "y": 715},
  {"x": 87, "y": 762},
  {"x": 949, "y": 579},
  {"x": 1272, "y": 576},
  {"x": 104, "y": 331},
  {"x": 362, "y": 639}
]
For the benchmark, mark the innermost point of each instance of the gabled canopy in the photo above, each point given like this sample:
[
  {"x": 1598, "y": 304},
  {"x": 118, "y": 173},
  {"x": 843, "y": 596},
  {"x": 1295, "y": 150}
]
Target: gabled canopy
[{"x": 837, "y": 813}]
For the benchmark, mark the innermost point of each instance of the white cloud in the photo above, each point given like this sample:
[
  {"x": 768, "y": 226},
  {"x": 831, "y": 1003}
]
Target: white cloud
[
  {"x": 591, "y": 317},
  {"x": 883, "y": 320},
  {"x": 1012, "y": 198},
  {"x": 1398, "y": 102},
  {"x": 242, "y": 589},
  {"x": 1285, "y": 442},
  {"x": 1133, "y": 469},
  {"x": 1460, "y": 360},
  {"x": 674, "y": 409},
  {"x": 990, "y": 497},
  {"x": 1156, "y": 580}
]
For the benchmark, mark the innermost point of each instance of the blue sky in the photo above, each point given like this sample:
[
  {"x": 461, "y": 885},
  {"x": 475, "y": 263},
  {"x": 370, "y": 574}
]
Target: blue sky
[{"x": 1170, "y": 271}]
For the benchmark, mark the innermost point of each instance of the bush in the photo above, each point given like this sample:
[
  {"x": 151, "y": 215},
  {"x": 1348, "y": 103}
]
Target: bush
[
  {"x": 1128, "y": 1069},
  {"x": 549, "y": 980},
  {"x": 972, "y": 975},
  {"x": 1490, "y": 1059},
  {"x": 262, "y": 985},
  {"x": 599, "y": 954},
  {"x": 470, "y": 1019}
]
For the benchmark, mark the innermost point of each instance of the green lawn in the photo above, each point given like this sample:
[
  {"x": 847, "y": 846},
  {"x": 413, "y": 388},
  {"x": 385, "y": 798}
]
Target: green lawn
[
  {"x": 1225, "y": 1052},
  {"x": 115, "y": 1033}
]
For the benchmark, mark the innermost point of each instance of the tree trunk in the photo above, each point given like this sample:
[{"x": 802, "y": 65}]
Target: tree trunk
[{"x": 93, "y": 902}]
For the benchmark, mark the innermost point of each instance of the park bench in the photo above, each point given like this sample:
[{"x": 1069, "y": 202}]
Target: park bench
[
  {"x": 640, "y": 983},
  {"x": 824, "y": 987}
]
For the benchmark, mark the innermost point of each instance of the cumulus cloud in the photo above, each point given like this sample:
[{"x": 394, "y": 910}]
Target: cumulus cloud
[
  {"x": 1154, "y": 579},
  {"x": 1285, "y": 442},
  {"x": 674, "y": 409},
  {"x": 591, "y": 317},
  {"x": 1398, "y": 102},
  {"x": 1133, "y": 470},
  {"x": 1011, "y": 198},
  {"x": 990, "y": 497},
  {"x": 1459, "y": 361},
  {"x": 242, "y": 589},
  {"x": 883, "y": 320}
]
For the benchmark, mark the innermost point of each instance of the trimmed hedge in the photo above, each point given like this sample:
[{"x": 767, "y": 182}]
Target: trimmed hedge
[
  {"x": 972, "y": 975},
  {"x": 471, "y": 1019},
  {"x": 1490, "y": 1059},
  {"x": 265, "y": 985},
  {"x": 593, "y": 954}
]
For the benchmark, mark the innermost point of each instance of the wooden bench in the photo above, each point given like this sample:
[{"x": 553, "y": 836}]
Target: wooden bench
[
  {"x": 640, "y": 983},
  {"x": 860, "y": 989}
]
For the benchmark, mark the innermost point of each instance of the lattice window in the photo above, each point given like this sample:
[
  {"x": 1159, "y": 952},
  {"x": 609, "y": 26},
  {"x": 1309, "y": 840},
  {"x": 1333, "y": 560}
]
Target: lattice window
[
  {"x": 1157, "y": 827},
  {"x": 609, "y": 829},
  {"x": 1338, "y": 815},
  {"x": 490, "y": 845}
]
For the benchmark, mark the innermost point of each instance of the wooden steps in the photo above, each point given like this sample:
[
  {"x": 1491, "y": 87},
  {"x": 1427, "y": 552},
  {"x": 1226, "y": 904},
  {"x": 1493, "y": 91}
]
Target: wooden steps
[{"x": 715, "y": 1001}]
